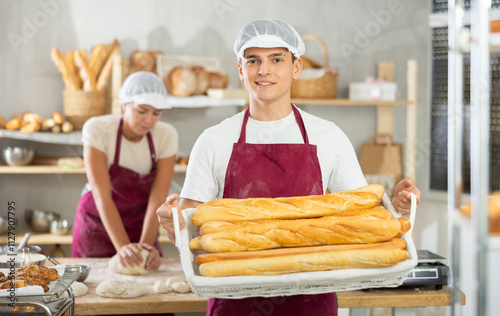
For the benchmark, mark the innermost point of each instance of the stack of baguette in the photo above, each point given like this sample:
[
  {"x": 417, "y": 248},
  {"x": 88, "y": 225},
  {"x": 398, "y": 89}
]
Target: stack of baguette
[
  {"x": 264, "y": 236},
  {"x": 82, "y": 72}
]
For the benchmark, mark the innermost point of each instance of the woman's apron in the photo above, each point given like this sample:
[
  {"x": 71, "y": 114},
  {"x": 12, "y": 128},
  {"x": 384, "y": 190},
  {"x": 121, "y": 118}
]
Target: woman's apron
[
  {"x": 273, "y": 170},
  {"x": 130, "y": 193}
]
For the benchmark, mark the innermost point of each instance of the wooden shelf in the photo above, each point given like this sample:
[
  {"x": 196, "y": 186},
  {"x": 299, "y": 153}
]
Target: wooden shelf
[
  {"x": 52, "y": 239},
  {"x": 349, "y": 102},
  {"x": 59, "y": 170}
]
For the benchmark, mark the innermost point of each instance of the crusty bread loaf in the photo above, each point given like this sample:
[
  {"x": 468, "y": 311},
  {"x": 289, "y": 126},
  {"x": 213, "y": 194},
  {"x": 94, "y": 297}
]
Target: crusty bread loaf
[
  {"x": 395, "y": 243},
  {"x": 282, "y": 208},
  {"x": 202, "y": 80},
  {"x": 181, "y": 82},
  {"x": 328, "y": 230},
  {"x": 379, "y": 212},
  {"x": 322, "y": 261}
]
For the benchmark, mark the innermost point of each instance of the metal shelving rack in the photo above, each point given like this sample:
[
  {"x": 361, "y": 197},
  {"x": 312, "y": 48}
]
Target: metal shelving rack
[{"x": 480, "y": 123}]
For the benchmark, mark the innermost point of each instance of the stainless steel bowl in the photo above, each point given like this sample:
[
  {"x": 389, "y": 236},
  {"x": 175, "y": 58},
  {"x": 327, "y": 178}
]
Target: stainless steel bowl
[
  {"x": 18, "y": 156},
  {"x": 8, "y": 260},
  {"x": 39, "y": 221},
  {"x": 4, "y": 225},
  {"x": 60, "y": 227}
]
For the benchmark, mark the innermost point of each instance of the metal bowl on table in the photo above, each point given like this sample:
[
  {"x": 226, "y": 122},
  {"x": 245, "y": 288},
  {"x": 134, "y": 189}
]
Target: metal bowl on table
[
  {"x": 4, "y": 249},
  {"x": 8, "y": 261},
  {"x": 18, "y": 156},
  {"x": 39, "y": 220},
  {"x": 60, "y": 227},
  {"x": 4, "y": 225}
]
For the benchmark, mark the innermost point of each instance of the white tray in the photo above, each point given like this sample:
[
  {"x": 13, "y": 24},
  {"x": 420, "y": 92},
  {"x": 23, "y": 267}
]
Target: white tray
[{"x": 293, "y": 283}]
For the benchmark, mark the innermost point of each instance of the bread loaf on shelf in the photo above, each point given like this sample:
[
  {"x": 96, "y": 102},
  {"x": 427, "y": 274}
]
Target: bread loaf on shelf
[
  {"x": 321, "y": 261},
  {"x": 283, "y": 208},
  {"x": 328, "y": 230}
]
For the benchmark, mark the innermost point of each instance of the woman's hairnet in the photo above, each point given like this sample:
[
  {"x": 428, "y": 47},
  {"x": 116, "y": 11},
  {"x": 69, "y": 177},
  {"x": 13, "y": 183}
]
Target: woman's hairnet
[
  {"x": 268, "y": 33},
  {"x": 144, "y": 87}
]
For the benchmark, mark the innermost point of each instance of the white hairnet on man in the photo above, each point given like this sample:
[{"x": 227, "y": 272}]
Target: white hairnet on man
[{"x": 266, "y": 34}]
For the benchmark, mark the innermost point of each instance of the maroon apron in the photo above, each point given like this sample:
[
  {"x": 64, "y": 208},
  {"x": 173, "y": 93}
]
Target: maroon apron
[
  {"x": 130, "y": 192},
  {"x": 273, "y": 170}
]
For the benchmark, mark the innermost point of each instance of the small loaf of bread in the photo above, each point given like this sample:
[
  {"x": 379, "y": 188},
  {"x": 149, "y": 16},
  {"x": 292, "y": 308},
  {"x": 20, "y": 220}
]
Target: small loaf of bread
[
  {"x": 328, "y": 230},
  {"x": 379, "y": 212},
  {"x": 282, "y": 208},
  {"x": 395, "y": 243},
  {"x": 321, "y": 261}
]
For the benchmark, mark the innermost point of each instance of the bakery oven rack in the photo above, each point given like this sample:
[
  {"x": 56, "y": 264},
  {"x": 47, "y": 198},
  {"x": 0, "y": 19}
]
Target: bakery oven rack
[{"x": 51, "y": 303}]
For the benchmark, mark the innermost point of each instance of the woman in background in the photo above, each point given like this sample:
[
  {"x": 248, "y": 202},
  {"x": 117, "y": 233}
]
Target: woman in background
[{"x": 130, "y": 161}]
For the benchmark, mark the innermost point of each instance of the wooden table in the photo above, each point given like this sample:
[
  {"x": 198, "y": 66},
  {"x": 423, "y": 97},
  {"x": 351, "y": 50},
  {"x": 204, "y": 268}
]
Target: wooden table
[{"x": 402, "y": 300}]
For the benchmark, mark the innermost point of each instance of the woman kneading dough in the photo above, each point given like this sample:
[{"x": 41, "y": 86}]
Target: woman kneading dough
[{"x": 129, "y": 160}]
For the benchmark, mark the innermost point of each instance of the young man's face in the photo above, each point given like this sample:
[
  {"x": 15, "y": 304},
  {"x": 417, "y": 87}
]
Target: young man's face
[{"x": 268, "y": 73}]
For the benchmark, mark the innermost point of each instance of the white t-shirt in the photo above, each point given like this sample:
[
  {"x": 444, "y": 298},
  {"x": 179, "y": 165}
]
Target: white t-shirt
[
  {"x": 100, "y": 132},
  {"x": 210, "y": 156}
]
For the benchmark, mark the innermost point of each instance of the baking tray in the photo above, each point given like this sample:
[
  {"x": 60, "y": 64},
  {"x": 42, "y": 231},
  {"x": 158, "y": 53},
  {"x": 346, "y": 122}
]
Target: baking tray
[
  {"x": 70, "y": 274},
  {"x": 294, "y": 283}
]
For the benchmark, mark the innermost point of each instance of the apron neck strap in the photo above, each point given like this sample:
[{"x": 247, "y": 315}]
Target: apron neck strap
[
  {"x": 119, "y": 142},
  {"x": 298, "y": 119}
]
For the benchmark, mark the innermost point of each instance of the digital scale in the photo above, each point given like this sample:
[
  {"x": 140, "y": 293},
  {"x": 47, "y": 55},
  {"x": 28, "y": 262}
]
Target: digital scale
[{"x": 431, "y": 271}]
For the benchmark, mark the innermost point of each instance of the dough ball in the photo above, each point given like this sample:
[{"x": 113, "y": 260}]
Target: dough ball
[
  {"x": 160, "y": 288},
  {"x": 121, "y": 288},
  {"x": 181, "y": 287},
  {"x": 115, "y": 265},
  {"x": 171, "y": 280},
  {"x": 79, "y": 289}
]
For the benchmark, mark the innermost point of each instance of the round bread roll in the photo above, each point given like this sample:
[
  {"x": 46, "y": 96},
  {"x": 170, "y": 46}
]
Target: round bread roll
[
  {"x": 202, "y": 80},
  {"x": 181, "y": 82},
  {"x": 58, "y": 118},
  {"x": 218, "y": 80},
  {"x": 142, "y": 60},
  {"x": 67, "y": 127},
  {"x": 3, "y": 122},
  {"x": 115, "y": 265},
  {"x": 14, "y": 124}
]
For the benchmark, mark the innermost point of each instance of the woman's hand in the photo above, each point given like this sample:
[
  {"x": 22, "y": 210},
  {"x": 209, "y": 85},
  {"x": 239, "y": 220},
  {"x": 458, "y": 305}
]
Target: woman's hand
[
  {"x": 164, "y": 213},
  {"x": 402, "y": 197},
  {"x": 130, "y": 255}
]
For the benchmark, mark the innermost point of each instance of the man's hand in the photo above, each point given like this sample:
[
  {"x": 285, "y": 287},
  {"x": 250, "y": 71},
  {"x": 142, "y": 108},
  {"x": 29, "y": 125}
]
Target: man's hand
[
  {"x": 402, "y": 199},
  {"x": 164, "y": 213}
]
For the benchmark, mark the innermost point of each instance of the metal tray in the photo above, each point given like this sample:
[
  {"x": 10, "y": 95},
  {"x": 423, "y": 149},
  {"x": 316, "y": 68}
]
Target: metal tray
[{"x": 71, "y": 273}]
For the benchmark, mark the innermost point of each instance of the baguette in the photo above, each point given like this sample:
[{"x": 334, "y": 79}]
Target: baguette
[
  {"x": 329, "y": 260},
  {"x": 282, "y": 208},
  {"x": 395, "y": 243},
  {"x": 106, "y": 69},
  {"x": 328, "y": 230},
  {"x": 97, "y": 58},
  {"x": 373, "y": 188},
  {"x": 379, "y": 212},
  {"x": 69, "y": 60},
  {"x": 86, "y": 73},
  {"x": 195, "y": 243},
  {"x": 70, "y": 81}
]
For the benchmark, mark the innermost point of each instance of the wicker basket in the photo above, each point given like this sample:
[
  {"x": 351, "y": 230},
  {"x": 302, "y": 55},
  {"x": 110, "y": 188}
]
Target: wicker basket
[
  {"x": 81, "y": 105},
  {"x": 324, "y": 87}
]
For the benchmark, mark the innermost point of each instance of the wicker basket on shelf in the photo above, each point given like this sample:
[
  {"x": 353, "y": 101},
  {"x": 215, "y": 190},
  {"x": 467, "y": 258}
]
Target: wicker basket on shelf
[
  {"x": 324, "y": 87},
  {"x": 81, "y": 105}
]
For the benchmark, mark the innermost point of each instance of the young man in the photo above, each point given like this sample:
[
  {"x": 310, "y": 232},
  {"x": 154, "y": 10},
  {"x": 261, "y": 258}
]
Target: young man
[{"x": 272, "y": 149}]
